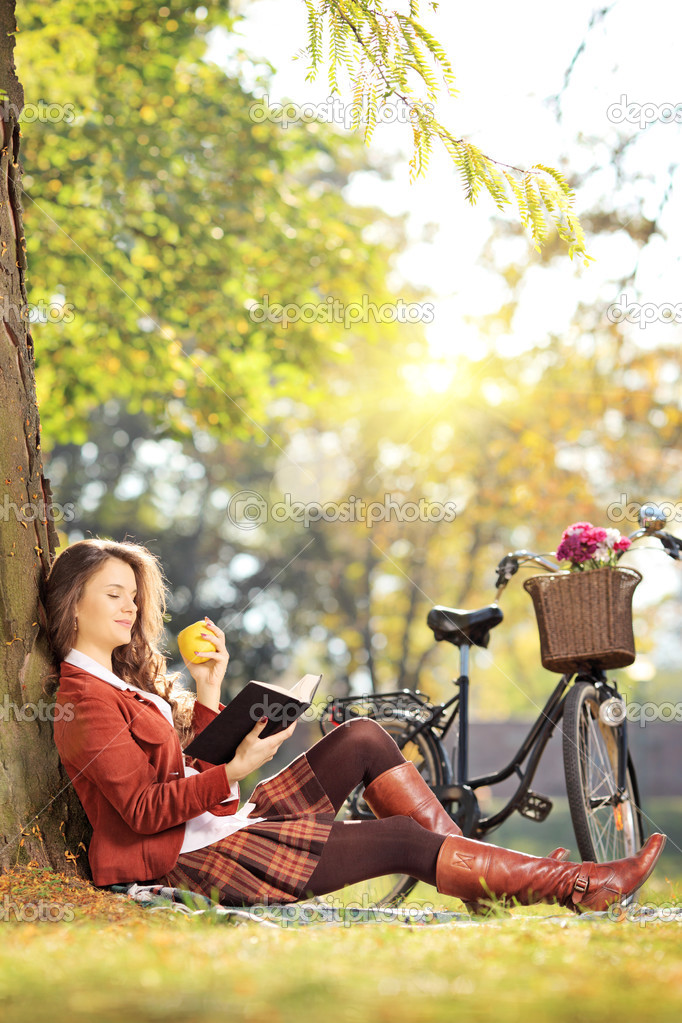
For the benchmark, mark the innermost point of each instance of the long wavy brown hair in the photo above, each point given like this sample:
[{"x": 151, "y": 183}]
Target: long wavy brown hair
[{"x": 139, "y": 662}]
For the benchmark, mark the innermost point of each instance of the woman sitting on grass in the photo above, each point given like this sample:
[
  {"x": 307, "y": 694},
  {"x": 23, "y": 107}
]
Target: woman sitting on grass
[{"x": 157, "y": 819}]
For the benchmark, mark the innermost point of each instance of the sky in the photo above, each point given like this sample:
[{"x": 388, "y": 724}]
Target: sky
[{"x": 509, "y": 61}]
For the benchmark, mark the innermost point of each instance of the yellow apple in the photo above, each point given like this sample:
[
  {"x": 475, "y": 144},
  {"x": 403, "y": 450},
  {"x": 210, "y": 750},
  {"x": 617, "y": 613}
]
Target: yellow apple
[{"x": 190, "y": 639}]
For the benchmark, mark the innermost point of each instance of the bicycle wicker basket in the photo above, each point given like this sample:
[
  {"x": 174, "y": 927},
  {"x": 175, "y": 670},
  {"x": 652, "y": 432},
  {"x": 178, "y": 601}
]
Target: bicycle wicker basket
[{"x": 585, "y": 618}]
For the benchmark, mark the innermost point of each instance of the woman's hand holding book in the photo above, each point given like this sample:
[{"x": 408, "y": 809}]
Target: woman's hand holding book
[{"x": 253, "y": 751}]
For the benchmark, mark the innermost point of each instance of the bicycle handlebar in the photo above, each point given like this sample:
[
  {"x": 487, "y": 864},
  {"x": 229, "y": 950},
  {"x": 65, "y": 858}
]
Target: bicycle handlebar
[
  {"x": 510, "y": 563},
  {"x": 672, "y": 545}
]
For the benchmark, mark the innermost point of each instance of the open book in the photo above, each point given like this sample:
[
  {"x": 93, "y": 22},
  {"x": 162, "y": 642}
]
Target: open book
[{"x": 217, "y": 743}]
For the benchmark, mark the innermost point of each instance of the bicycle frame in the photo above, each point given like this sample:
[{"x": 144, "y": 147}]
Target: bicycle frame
[
  {"x": 415, "y": 707},
  {"x": 532, "y": 747}
]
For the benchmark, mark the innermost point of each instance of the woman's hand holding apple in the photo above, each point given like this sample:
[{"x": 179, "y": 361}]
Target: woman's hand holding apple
[{"x": 203, "y": 650}]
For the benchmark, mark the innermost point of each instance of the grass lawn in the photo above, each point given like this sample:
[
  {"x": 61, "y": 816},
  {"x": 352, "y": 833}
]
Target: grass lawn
[{"x": 116, "y": 961}]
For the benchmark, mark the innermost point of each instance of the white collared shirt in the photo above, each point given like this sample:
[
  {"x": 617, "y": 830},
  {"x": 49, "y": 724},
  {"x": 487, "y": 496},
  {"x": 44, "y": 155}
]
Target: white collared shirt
[{"x": 200, "y": 831}]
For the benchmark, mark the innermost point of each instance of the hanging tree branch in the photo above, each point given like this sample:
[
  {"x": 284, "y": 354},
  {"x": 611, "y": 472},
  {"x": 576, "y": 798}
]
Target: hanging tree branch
[{"x": 382, "y": 50}]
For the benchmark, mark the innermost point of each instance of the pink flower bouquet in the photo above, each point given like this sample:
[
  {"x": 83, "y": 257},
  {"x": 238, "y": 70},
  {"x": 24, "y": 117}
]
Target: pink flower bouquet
[{"x": 587, "y": 546}]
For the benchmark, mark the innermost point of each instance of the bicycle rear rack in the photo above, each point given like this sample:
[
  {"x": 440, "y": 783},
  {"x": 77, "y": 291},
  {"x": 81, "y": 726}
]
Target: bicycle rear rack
[{"x": 398, "y": 704}]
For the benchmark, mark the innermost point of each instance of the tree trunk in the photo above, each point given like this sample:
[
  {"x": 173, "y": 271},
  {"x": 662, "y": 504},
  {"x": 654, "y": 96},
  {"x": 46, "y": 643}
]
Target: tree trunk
[{"x": 40, "y": 816}]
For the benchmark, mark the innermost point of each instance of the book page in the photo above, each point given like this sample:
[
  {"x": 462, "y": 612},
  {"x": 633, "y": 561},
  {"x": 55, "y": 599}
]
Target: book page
[
  {"x": 305, "y": 687},
  {"x": 301, "y": 690},
  {"x": 269, "y": 685}
]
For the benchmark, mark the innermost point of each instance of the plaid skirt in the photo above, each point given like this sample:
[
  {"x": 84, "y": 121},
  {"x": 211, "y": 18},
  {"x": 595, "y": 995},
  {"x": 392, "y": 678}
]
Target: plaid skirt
[{"x": 269, "y": 861}]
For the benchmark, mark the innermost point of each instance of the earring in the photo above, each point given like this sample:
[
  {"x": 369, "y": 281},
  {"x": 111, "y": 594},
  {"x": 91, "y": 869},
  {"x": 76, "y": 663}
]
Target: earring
[{"x": 75, "y": 625}]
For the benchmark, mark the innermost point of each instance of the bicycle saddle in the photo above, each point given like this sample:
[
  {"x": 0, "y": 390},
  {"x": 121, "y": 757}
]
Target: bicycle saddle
[{"x": 464, "y": 628}]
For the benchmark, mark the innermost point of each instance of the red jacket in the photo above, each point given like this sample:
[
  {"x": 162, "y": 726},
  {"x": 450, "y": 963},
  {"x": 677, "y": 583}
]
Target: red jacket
[{"x": 127, "y": 767}]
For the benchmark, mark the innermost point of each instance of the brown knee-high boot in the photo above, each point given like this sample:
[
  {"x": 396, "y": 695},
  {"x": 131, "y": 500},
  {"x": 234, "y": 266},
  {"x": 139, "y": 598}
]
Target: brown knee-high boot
[
  {"x": 473, "y": 870},
  {"x": 402, "y": 790}
]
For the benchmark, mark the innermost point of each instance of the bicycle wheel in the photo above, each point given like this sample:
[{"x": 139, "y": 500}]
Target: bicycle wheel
[
  {"x": 605, "y": 828},
  {"x": 425, "y": 754}
]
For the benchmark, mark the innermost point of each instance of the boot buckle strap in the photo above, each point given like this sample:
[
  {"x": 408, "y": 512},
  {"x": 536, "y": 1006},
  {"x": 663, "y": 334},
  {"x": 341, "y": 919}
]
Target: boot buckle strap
[{"x": 582, "y": 883}]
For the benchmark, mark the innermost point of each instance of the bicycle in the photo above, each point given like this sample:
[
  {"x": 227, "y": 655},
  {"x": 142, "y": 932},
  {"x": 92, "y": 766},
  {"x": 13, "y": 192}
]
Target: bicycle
[{"x": 601, "y": 781}]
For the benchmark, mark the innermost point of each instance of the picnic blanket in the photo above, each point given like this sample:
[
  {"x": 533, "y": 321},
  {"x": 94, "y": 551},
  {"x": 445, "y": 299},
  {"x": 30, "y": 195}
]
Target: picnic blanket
[
  {"x": 322, "y": 910},
  {"x": 329, "y": 910}
]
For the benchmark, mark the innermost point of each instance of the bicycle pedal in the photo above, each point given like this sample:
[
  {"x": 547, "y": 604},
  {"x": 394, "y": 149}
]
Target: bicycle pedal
[{"x": 534, "y": 806}]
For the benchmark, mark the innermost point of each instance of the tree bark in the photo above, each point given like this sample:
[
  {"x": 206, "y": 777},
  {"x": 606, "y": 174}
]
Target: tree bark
[{"x": 40, "y": 816}]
